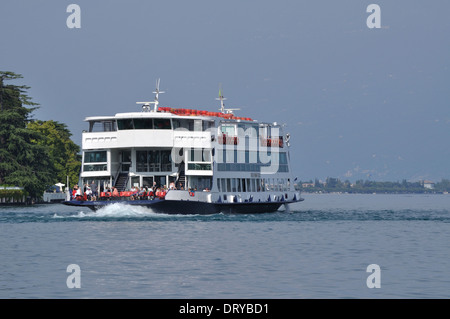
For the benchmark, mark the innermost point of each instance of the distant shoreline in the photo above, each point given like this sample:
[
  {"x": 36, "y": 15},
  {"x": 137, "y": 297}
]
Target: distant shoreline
[
  {"x": 375, "y": 193},
  {"x": 335, "y": 185}
]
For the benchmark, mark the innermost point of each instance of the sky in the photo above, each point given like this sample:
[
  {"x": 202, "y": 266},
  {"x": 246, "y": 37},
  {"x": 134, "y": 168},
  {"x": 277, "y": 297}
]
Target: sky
[{"x": 358, "y": 102}]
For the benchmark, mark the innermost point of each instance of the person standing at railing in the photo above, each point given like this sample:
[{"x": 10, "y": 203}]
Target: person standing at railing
[{"x": 94, "y": 190}]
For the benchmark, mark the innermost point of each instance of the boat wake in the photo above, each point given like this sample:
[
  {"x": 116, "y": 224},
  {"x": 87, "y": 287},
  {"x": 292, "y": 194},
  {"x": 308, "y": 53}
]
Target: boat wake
[{"x": 118, "y": 211}]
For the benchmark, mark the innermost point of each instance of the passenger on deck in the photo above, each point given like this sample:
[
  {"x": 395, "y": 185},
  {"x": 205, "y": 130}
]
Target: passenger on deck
[
  {"x": 79, "y": 194},
  {"x": 88, "y": 193},
  {"x": 115, "y": 192},
  {"x": 74, "y": 191},
  {"x": 134, "y": 193},
  {"x": 94, "y": 190},
  {"x": 142, "y": 193}
]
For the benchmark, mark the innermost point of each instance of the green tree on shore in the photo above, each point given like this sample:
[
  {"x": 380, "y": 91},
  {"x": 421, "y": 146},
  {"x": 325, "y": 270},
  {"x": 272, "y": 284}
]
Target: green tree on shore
[
  {"x": 29, "y": 154},
  {"x": 62, "y": 150}
]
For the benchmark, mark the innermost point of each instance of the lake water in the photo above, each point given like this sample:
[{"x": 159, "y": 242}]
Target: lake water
[{"x": 320, "y": 249}]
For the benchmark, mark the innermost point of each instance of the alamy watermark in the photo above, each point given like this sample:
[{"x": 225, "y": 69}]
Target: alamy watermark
[
  {"x": 251, "y": 145},
  {"x": 74, "y": 19},
  {"x": 74, "y": 279},
  {"x": 374, "y": 279},
  {"x": 374, "y": 19}
]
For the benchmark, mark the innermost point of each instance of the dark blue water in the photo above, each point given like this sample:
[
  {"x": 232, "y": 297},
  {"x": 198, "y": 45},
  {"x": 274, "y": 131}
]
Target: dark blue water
[{"x": 320, "y": 249}]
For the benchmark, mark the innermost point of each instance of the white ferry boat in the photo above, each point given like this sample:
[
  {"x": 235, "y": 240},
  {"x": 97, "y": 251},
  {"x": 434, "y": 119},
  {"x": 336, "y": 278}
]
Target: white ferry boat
[{"x": 186, "y": 161}]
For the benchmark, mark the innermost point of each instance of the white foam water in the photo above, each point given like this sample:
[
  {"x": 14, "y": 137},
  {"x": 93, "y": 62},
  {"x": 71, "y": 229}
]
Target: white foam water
[{"x": 118, "y": 210}]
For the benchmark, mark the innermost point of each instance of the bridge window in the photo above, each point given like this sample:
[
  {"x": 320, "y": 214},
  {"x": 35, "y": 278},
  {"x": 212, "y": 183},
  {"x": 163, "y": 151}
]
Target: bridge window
[
  {"x": 102, "y": 126},
  {"x": 144, "y": 124},
  {"x": 126, "y": 124}
]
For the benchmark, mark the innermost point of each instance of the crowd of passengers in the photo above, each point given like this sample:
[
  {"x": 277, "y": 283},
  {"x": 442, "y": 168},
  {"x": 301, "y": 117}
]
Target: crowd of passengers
[{"x": 89, "y": 192}]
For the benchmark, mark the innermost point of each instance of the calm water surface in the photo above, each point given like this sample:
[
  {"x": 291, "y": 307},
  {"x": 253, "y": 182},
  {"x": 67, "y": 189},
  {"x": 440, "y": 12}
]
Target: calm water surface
[{"x": 320, "y": 249}]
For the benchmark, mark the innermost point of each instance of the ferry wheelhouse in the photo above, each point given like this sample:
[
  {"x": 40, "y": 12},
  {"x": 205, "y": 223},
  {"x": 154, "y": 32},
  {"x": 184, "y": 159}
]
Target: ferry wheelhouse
[{"x": 207, "y": 162}]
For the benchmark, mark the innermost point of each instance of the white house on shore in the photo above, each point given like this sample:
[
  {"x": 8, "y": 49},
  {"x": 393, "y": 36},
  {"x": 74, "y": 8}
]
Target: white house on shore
[{"x": 428, "y": 184}]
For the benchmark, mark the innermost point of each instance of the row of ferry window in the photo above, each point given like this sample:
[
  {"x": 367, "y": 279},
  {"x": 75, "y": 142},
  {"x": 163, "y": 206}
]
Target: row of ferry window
[
  {"x": 198, "y": 155},
  {"x": 253, "y": 184},
  {"x": 160, "y": 160},
  {"x": 250, "y": 130},
  {"x": 251, "y": 157},
  {"x": 149, "y": 124}
]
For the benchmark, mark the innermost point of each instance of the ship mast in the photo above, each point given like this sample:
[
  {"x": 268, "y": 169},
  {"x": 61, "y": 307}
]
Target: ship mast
[
  {"x": 221, "y": 99},
  {"x": 222, "y": 104},
  {"x": 146, "y": 105}
]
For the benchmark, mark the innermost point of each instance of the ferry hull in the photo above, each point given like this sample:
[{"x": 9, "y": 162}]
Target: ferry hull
[{"x": 186, "y": 207}]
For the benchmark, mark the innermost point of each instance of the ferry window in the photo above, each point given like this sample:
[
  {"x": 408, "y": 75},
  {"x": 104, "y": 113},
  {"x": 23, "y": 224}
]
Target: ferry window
[
  {"x": 162, "y": 124},
  {"x": 247, "y": 131},
  {"x": 166, "y": 161},
  {"x": 195, "y": 155},
  {"x": 197, "y": 125},
  {"x": 109, "y": 126},
  {"x": 200, "y": 155},
  {"x": 141, "y": 161},
  {"x": 153, "y": 161},
  {"x": 228, "y": 185},
  {"x": 223, "y": 185},
  {"x": 199, "y": 167},
  {"x": 95, "y": 126},
  {"x": 102, "y": 126},
  {"x": 95, "y": 157},
  {"x": 244, "y": 189},
  {"x": 283, "y": 158},
  {"x": 233, "y": 185},
  {"x": 208, "y": 125},
  {"x": 176, "y": 124},
  {"x": 228, "y": 130},
  {"x": 126, "y": 124},
  {"x": 206, "y": 155},
  {"x": 264, "y": 131},
  {"x": 253, "y": 183},
  {"x": 126, "y": 156},
  {"x": 184, "y": 124},
  {"x": 143, "y": 124}
]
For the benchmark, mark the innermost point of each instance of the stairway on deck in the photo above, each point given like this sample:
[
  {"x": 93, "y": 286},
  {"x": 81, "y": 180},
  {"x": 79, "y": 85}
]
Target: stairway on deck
[
  {"x": 181, "y": 177},
  {"x": 121, "y": 182}
]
